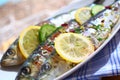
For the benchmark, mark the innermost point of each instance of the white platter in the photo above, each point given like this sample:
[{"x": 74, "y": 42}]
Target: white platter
[{"x": 11, "y": 74}]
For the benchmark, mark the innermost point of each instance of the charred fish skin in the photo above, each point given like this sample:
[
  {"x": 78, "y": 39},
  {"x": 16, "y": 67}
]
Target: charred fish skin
[{"x": 12, "y": 56}]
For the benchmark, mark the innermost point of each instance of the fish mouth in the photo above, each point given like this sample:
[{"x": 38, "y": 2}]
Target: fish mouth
[
  {"x": 25, "y": 78},
  {"x": 8, "y": 62},
  {"x": 5, "y": 63}
]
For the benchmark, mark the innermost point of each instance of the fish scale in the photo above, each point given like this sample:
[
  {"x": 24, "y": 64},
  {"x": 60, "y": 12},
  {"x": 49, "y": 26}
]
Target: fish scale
[
  {"x": 38, "y": 58},
  {"x": 45, "y": 65},
  {"x": 53, "y": 60},
  {"x": 18, "y": 58}
]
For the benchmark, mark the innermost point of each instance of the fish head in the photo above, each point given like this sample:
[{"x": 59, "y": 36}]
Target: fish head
[
  {"x": 12, "y": 56},
  {"x": 25, "y": 74},
  {"x": 9, "y": 58},
  {"x": 36, "y": 66},
  {"x": 32, "y": 72}
]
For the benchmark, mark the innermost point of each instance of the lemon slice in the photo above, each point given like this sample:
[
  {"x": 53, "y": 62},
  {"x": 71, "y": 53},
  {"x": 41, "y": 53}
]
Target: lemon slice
[
  {"x": 29, "y": 40},
  {"x": 73, "y": 47},
  {"x": 83, "y": 14}
]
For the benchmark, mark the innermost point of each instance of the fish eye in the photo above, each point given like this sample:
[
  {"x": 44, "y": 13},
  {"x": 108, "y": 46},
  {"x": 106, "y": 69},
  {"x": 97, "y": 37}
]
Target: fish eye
[
  {"x": 11, "y": 52},
  {"x": 46, "y": 67},
  {"x": 25, "y": 70}
]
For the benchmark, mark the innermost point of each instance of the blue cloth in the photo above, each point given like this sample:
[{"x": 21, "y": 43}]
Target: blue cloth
[{"x": 105, "y": 63}]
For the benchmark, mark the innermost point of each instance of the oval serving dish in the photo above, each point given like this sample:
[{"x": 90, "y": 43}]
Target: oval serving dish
[{"x": 70, "y": 9}]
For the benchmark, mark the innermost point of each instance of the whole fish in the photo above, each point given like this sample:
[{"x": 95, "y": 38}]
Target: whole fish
[
  {"x": 9, "y": 59},
  {"x": 13, "y": 56},
  {"x": 45, "y": 64}
]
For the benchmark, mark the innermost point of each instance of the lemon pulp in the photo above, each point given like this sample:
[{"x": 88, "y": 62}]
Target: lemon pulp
[
  {"x": 29, "y": 40},
  {"x": 83, "y": 14},
  {"x": 73, "y": 47}
]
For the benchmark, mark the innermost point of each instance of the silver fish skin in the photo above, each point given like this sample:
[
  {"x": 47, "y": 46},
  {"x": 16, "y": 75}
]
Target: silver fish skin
[
  {"x": 39, "y": 63},
  {"x": 12, "y": 56},
  {"x": 99, "y": 27},
  {"x": 17, "y": 59},
  {"x": 31, "y": 67},
  {"x": 106, "y": 21}
]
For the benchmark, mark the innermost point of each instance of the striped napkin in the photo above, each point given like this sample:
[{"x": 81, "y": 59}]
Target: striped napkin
[{"x": 105, "y": 63}]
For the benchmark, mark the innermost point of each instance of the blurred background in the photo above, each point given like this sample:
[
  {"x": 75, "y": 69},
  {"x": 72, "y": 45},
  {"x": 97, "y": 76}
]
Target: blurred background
[{"x": 15, "y": 15}]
